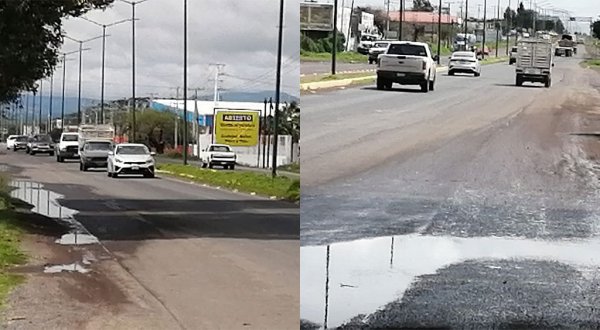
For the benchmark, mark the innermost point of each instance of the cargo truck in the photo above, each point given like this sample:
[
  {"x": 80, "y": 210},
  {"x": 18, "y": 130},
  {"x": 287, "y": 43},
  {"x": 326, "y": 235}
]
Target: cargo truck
[{"x": 534, "y": 61}]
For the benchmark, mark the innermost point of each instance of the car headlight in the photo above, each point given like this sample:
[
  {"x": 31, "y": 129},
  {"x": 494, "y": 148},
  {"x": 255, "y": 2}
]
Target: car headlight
[
  {"x": 118, "y": 160},
  {"x": 150, "y": 161}
]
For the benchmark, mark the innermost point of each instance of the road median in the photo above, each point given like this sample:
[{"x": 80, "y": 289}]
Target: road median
[{"x": 238, "y": 181}]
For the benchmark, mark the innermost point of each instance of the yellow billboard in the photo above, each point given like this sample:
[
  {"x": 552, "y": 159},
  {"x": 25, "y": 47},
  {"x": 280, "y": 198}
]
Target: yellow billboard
[{"x": 237, "y": 127}]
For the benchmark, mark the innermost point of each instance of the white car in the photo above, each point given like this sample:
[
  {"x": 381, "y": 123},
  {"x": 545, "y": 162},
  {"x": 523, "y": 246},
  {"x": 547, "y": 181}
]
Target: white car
[
  {"x": 464, "y": 62},
  {"x": 10, "y": 141},
  {"x": 130, "y": 158}
]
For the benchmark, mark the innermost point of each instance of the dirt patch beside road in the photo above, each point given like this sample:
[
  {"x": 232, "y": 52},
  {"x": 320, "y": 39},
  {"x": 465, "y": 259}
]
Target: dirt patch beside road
[{"x": 102, "y": 298}]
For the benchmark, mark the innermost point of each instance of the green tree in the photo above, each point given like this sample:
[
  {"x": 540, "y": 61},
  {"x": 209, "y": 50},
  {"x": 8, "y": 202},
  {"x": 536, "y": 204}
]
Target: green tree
[
  {"x": 30, "y": 40},
  {"x": 596, "y": 29}
]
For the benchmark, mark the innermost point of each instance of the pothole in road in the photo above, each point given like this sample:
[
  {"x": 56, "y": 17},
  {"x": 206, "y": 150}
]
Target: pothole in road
[
  {"x": 343, "y": 280},
  {"x": 45, "y": 203}
]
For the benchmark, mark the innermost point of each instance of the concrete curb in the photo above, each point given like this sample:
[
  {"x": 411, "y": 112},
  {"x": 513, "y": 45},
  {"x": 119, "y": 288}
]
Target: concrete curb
[{"x": 344, "y": 82}]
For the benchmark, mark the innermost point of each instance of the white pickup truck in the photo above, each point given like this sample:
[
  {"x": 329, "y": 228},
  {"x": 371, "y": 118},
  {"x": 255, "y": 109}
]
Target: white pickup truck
[
  {"x": 407, "y": 63},
  {"x": 67, "y": 147},
  {"x": 218, "y": 154}
]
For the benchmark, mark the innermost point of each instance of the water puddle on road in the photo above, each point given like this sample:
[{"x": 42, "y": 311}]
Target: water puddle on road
[
  {"x": 45, "y": 203},
  {"x": 343, "y": 280},
  {"x": 71, "y": 268}
]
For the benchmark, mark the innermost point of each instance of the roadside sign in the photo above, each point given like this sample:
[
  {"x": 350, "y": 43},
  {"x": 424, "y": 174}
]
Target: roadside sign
[{"x": 237, "y": 127}]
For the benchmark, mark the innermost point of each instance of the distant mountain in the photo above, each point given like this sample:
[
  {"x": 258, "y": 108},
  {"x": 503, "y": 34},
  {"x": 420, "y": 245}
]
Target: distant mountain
[
  {"x": 256, "y": 96},
  {"x": 70, "y": 104}
]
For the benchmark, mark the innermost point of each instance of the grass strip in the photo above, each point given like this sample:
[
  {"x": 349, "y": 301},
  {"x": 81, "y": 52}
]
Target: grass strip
[
  {"x": 342, "y": 57},
  {"x": 10, "y": 240},
  {"x": 245, "y": 181}
]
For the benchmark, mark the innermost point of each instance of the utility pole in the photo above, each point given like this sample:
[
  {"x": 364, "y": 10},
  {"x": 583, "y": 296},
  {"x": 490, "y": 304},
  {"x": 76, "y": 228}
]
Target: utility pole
[
  {"x": 497, "y": 24},
  {"x": 185, "y": 126},
  {"x": 439, "y": 44},
  {"x": 484, "y": 28},
  {"x": 400, "y": 20},
  {"x": 334, "y": 46},
  {"x": 466, "y": 20},
  {"x": 387, "y": 20},
  {"x": 40, "y": 114},
  {"x": 50, "y": 107},
  {"x": 218, "y": 73},
  {"x": 508, "y": 27},
  {"x": 177, "y": 120},
  {"x": 277, "y": 88},
  {"x": 196, "y": 128}
]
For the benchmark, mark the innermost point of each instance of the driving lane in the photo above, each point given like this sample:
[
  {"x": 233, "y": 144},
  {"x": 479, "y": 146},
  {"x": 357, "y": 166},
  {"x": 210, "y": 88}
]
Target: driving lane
[
  {"x": 471, "y": 206},
  {"x": 215, "y": 259}
]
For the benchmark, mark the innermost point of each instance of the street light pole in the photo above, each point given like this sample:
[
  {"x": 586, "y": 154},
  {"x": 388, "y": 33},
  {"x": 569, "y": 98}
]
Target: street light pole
[
  {"x": 81, "y": 49},
  {"x": 133, "y": 126},
  {"x": 277, "y": 88},
  {"x": 400, "y": 20},
  {"x": 104, "y": 35},
  {"x": 62, "y": 106},
  {"x": 185, "y": 124}
]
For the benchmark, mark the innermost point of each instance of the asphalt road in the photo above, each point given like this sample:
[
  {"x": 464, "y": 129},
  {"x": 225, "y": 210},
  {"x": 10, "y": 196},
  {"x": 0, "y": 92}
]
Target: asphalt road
[
  {"x": 213, "y": 258},
  {"x": 471, "y": 206}
]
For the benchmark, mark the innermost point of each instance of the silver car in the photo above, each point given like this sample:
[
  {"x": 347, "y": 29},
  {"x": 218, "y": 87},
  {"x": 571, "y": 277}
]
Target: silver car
[{"x": 464, "y": 62}]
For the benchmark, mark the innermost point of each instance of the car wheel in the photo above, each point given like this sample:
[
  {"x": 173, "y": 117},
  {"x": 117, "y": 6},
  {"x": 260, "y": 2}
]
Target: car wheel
[
  {"x": 432, "y": 85},
  {"x": 450, "y": 73},
  {"x": 210, "y": 165},
  {"x": 425, "y": 87},
  {"x": 149, "y": 175},
  {"x": 115, "y": 175},
  {"x": 32, "y": 153},
  {"x": 477, "y": 74},
  {"x": 232, "y": 167},
  {"x": 380, "y": 84},
  {"x": 14, "y": 149},
  {"x": 84, "y": 168},
  {"x": 80, "y": 167},
  {"x": 204, "y": 165},
  {"x": 519, "y": 81},
  {"x": 52, "y": 154},
  {"x": 548, "y": 82}
]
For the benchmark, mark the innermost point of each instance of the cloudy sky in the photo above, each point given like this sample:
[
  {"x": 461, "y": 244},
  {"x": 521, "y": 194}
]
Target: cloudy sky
[
  {"x": 583, "y": 8},
  {"x": 241, "y": 34}
]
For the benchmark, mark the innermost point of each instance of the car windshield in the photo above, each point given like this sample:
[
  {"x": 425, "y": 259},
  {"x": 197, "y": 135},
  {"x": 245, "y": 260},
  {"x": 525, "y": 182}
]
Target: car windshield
[
  {"x": 21, "y": 139},
  {"x": 12, "y": 137},
  {"x": 43, "y": 138},
  {"x": 381, "y": 44},
  {"x": 98, "y": 146},
  {"x": 70, "y": 137},
  {"x": 407, "y": 49},
  {"x": 219, "y": 148},
  {"x": 132, "y": 150}
]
